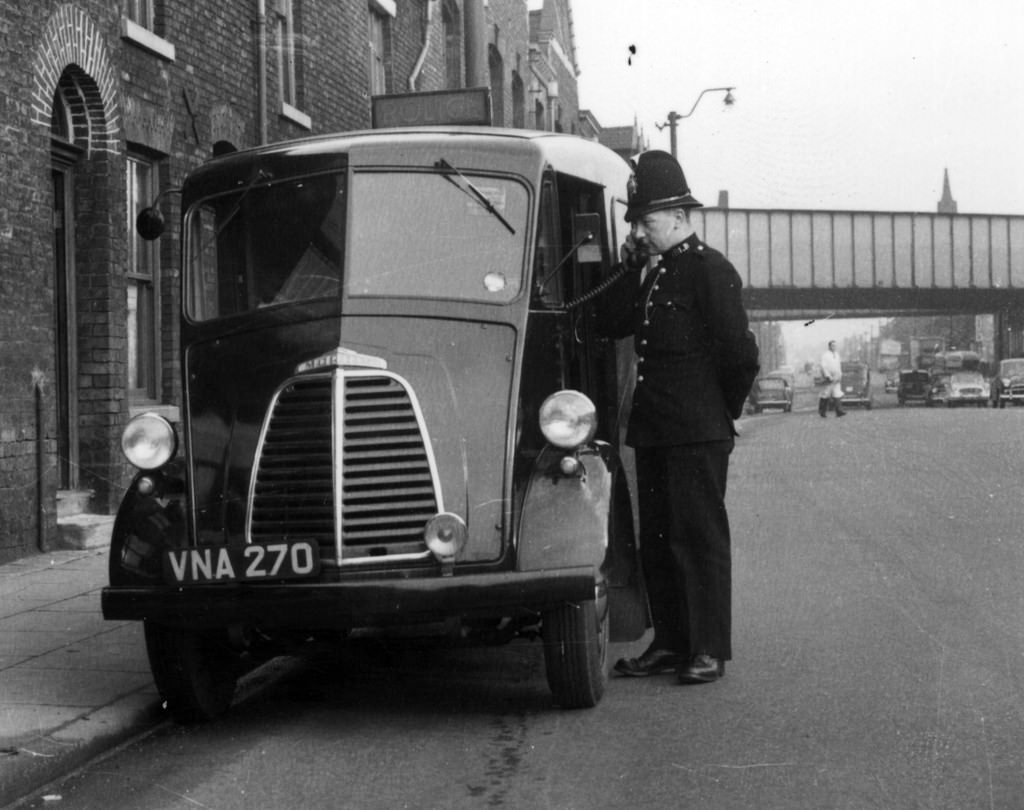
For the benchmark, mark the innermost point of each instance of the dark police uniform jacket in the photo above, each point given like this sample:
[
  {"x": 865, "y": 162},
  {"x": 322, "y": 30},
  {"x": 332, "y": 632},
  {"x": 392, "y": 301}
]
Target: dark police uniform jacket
[{"x": 696, "y": 358}]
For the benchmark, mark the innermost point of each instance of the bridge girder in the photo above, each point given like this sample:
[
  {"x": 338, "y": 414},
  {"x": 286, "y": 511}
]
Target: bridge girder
[{"x": 882, "y": 263}]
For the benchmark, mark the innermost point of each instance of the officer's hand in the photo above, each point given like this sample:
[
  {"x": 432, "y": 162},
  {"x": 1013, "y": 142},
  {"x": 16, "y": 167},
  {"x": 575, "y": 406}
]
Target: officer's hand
[{"x": 634, "y": 254}]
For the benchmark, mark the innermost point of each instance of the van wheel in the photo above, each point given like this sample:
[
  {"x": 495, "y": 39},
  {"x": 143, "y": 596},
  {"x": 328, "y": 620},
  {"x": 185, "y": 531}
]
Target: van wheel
[
  {"x": 576, "y": 652},
  {"x": 195, "y": 671}
]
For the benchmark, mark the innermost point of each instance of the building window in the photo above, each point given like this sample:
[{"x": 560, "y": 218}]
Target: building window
[
  {"x": 142, "y": 286},
  {"x": 378, "y": 55},
  {"x": 139, "y": 24},
  {"x": 452, "y": 47},
  {"x": 497, "y": 69},
  {"x": 518, "y": 101},
  {"x": 284, "y": 45},
  {"x": 140, "y": 12}
]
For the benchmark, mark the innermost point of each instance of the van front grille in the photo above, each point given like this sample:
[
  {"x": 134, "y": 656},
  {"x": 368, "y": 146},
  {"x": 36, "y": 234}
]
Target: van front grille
[
  {"x": 293, "y": 492},
  {"x": 387, "y": 486},
  {"x": 377, "y": 474}
]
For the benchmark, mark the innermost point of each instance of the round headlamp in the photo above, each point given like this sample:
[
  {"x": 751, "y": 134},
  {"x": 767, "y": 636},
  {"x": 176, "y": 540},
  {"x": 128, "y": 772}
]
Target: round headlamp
[
  {"x": 568, "y": 419},
  {"x": 149, "y": 441},
  {"x": 445, "y": 535}
]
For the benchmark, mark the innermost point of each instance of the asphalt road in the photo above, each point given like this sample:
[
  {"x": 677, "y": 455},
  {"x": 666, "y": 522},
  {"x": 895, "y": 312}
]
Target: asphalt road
[{"x": 879, "y": 632}]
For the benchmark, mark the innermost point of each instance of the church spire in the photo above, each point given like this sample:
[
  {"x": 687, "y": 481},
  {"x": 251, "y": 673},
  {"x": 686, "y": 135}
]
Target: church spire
[{"x": 947, "y": 205}]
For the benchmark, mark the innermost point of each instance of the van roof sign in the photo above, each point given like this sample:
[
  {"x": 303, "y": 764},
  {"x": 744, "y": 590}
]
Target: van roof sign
[{"x": 467, "y": 107}]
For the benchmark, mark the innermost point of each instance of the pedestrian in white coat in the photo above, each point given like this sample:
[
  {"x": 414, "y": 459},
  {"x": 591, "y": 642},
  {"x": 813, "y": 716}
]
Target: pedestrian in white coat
[{"x": 832, "y": 388}]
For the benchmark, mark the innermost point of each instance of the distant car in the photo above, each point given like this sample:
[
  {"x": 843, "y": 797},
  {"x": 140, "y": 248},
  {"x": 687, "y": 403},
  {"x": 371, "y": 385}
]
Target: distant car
[
  {"x": 892, "y": 382},
  {"x": 912, "y": 386},
  {"x": 856, "y": 385},
  {"x": 1008, "y": 383},
  {"x": 786, "y": 373},
  {"x": 967, "y": 388},
  {"x": 938, "y": 390},
  {"x": 770, "y": 393}
]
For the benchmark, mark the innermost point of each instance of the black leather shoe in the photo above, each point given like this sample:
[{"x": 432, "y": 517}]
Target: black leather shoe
[
  {"x": 702, "y": 669},
  {"x": 652, "y": 662}
]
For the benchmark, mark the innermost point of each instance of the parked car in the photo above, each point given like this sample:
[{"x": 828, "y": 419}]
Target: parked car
[
  {"x": 770, "y": 392},
  {"x": 375, "y": 449},
  {"x": 912, "y": 386},
  {"x": 967, "y": 388},
  {"x": 857, "y": 385},
  {"x": 1008, "y": 383},
  {"x": 786, "y": 373}
]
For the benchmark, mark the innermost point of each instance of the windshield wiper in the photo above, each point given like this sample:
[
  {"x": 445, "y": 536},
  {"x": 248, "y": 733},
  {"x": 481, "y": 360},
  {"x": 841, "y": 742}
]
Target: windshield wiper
[
  {"x": 235, "y": 208},
  {"x": 472, "y": 191}
]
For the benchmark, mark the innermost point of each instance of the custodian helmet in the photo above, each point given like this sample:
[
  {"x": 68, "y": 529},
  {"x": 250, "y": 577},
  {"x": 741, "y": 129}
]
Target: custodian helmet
[{"x": 659, "y": 183}]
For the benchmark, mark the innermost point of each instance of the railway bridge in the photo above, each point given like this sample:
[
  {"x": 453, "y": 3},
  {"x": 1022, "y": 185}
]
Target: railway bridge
[{"x": 803, "y": 264}]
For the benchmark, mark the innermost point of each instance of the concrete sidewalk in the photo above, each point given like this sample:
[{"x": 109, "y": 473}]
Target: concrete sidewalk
[{"x": 71, "y": 684}]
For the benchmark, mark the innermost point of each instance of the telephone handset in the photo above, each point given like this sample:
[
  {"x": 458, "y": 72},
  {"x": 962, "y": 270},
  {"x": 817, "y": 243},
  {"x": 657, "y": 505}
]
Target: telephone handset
[{"x": 633, "y": 263}]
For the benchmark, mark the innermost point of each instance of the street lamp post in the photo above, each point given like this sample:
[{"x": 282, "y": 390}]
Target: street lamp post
[{"x": 674, "y": 117}]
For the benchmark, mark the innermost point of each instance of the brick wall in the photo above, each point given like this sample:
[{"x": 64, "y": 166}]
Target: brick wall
[{"x": 130, "y": 95}]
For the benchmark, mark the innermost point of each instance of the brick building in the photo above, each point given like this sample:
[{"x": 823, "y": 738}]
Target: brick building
[{"x": 105, "y": 104}]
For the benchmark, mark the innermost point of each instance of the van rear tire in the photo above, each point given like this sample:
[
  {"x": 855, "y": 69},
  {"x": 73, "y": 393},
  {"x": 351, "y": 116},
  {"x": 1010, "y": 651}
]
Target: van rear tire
[{"x": 576, "y": 653}]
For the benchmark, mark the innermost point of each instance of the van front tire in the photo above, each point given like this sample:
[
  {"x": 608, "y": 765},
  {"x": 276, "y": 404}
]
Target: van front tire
[{"x": 195, "y": 671}]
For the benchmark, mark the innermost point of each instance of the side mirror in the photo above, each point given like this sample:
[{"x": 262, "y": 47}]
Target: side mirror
[
  {"x": 149, "y": 223},
  {"x": 589, "y": 249}
]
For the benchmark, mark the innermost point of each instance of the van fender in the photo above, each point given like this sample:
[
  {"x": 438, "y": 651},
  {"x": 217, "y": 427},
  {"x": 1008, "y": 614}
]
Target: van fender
[
  {"x": 150, "y": 519},
  {"x": 585, "y": 518}
]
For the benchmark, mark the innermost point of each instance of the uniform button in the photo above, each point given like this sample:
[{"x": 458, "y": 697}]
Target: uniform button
[
  {"x": 639, "y": 360},
  {"x": 662, "y": 271},
  {"x": 647, "y": 323},
  {"x": 640, "y": 378},
  {"x": 643, "y": 342},
  {"x": 700, "y": 247}
]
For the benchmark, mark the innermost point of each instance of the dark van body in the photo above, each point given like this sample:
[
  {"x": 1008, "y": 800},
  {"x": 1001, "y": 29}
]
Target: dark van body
[
  {"x": 857, "y": 384},
  {"x": 373, "y": 326},
  {"x": 913, "y": 386}
]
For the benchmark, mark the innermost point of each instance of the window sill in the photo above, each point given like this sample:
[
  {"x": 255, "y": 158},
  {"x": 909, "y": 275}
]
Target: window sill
[
  {"x": 389, "y": 7},
  {"x": 296, "y": 116},
  {"x": 146, "y": 39},
  {"x": 169, "y": 412}
]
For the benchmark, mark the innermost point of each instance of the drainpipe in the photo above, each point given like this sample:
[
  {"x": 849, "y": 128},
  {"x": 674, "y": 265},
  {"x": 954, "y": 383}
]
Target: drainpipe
[
  {"x": 37, "y": 384},
  {"x": 476, "y": 44},
  {"x": 261, "y": 68},
  {"x": 414, "y": 77}
]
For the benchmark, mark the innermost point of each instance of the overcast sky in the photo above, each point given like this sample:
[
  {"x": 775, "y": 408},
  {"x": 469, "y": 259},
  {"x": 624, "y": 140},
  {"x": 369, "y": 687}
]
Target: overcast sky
[{"x": 839, "y": 105}]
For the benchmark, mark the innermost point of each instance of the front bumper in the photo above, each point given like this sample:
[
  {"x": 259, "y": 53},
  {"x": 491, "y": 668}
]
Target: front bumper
[{"x": 350, "y": 603}]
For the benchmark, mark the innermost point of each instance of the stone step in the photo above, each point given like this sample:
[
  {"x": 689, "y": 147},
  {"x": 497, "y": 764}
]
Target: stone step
[
  {"x": 84, "y": 531},
  {"x": 73, "y": 502}
]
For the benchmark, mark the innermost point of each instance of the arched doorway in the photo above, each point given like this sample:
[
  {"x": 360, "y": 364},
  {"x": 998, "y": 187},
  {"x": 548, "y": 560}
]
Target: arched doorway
[{"x": 64, "y": 155}]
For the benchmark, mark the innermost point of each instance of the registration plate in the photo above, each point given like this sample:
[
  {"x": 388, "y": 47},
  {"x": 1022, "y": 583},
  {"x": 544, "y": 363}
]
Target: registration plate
[{"x": 296, "y": 559}]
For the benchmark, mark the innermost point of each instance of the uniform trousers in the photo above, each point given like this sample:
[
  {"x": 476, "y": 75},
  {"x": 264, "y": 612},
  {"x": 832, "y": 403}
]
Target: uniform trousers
[{"x": 685, "y": 546}]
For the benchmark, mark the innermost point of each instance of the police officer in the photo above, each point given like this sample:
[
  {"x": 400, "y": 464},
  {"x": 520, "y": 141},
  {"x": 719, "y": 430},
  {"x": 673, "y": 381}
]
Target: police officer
[{"x": 696, "y": 360}]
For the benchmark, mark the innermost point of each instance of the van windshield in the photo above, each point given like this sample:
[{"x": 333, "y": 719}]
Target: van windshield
[
  {"x": 264, "y": 244},
  {"x": 421, "y": 235},
  {"x": 413, "y": 235}
]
